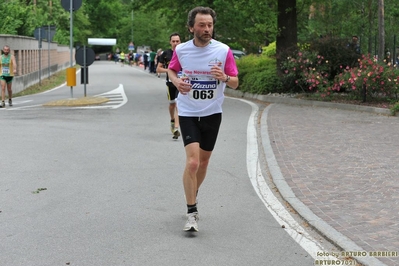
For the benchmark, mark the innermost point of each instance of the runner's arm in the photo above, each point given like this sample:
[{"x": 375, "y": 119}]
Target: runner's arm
[{"x": 160, "y": 68}]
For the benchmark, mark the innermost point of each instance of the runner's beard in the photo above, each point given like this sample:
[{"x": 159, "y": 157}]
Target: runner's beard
[{"x": 203, "y": 39}]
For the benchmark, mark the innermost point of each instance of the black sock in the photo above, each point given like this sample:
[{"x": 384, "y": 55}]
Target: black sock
[{"x": 192, "y": 208}]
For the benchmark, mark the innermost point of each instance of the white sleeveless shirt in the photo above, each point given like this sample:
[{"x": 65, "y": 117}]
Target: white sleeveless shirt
[{"x": 207, "y": 93}]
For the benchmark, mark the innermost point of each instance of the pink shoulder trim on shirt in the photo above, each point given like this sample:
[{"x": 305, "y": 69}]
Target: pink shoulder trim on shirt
[
  {"x": 230, "y": 68},
  {"x": 174, "y": 63}
]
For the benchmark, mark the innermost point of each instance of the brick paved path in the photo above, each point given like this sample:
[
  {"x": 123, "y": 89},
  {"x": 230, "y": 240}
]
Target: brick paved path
[{"x": 344, "y": 165}]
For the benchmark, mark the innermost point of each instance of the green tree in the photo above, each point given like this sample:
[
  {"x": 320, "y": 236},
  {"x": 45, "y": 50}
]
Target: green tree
[
  {"x": 106, "y": 17},
  {"x": 13, "y": 17}
]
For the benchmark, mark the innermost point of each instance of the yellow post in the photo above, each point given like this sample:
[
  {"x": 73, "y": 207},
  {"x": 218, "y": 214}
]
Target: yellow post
[{"x": 71, "y": 77}]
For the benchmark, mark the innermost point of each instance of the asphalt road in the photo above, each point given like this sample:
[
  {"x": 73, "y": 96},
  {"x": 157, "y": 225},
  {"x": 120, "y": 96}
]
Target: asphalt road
[{"x": 101, "y": 185}]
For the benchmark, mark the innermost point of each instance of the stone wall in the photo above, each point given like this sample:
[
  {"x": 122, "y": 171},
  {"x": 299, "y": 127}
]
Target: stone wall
[{"x": 34, "y": 64}]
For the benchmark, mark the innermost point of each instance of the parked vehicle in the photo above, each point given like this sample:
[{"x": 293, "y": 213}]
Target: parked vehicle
[{"x": 238, "y": 54}]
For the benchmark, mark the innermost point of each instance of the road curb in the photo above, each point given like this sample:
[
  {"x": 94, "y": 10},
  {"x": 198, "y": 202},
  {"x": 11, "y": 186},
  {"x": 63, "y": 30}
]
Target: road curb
[{"x": 294, "y": 101}]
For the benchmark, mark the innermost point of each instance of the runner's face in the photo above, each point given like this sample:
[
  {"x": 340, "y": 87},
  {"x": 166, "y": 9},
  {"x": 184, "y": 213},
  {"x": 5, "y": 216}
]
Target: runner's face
[
  {"x": 6, "y": 50},
  {"x": 174, "y": 41},
  {"x": 203, "y": 29}
]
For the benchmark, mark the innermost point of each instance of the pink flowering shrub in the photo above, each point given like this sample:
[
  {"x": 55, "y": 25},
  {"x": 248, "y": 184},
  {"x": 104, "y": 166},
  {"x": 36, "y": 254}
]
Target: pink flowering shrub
[
  {"x": 311, "y": 73},
  {"x": 307, "y": 71},
  {"x": 379, "y": 78}
]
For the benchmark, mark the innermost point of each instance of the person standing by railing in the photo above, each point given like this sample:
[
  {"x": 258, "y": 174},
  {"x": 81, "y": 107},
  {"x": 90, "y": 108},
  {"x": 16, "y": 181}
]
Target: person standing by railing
[{"x": 8, "y": 69}]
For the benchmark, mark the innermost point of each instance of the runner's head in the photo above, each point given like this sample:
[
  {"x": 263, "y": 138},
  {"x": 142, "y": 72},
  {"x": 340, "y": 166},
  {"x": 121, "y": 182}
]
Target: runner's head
[
  {"x": 200, "y": 23},
  {"x": 174, "y": 40},
  {"x": 6, "y": 49}
]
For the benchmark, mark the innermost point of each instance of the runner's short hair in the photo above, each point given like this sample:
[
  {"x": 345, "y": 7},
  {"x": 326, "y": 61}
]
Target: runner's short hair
[
  {"x": 201, "y": 10},
  {"x": 174, "y": 34}
]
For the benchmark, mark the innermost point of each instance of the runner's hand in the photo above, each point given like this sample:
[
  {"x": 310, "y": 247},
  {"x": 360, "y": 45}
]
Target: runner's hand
[
  {"x": 218, "y": 73},
  {"x": 183, "y": 85}
]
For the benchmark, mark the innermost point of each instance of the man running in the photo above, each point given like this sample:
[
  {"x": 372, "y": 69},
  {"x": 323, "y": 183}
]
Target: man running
[
  {"x": 207, "y": 66},
  {"x": 8, "y": 69},
  {"x": 162, "y": 67}
]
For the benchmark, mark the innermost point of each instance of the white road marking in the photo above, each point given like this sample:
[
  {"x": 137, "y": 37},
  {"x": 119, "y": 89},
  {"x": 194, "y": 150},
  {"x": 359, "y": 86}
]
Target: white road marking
[
  {"x": 279, "y": 212},
  {"x": 20, "y": 102},
  {"x": 56, "y": 88},
  {"x": 117, "y": 95},
  {"x": 117, "y": 98},
  {"x": 15, "y": 102}
]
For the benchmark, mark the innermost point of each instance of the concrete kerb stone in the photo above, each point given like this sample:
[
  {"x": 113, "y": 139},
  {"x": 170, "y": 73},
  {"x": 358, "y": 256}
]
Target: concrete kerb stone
[
  {"x": 294, "y": 101},
  {"x": 76, "y": 102}
]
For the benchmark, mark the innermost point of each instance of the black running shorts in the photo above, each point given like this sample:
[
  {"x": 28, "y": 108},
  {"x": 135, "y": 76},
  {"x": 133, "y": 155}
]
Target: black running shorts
[
  {"x": 172, "y": 92},
  {"x": 203, "y": 130},
  {"x": 7, "y": 79}
]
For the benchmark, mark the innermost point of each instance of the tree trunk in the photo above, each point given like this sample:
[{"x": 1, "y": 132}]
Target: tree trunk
[
  {"x": 370, "y": 27},
  {"x": 381, "y": 31},
  {"x": 287, "y": 26}
]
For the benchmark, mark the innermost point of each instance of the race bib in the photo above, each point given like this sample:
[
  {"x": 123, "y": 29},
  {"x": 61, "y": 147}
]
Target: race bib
[
  {"x": 5, "y": 70},
  {"x": 203, "y": 89}
]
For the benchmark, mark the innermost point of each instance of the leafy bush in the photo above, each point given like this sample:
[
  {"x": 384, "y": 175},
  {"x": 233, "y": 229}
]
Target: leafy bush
[
  {"x": 305, "y": 72},
  {"x": 379, "y": 78},
  {"x": 313, "y": 66},
  {"x": 320, "y": 73},
  {"x": 270, "y": 50},
  {"x": 257, "y": 74},
  {"x": 234, "y": 45},
  {"x": 337, "y": 52},
  {"x": 263, "y": 82}
]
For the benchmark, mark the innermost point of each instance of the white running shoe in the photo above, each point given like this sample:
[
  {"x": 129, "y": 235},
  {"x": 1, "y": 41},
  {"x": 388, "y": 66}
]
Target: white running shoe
[
  {"x": 176, "y": 133},
  {"x": 192, "y": 224}
]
